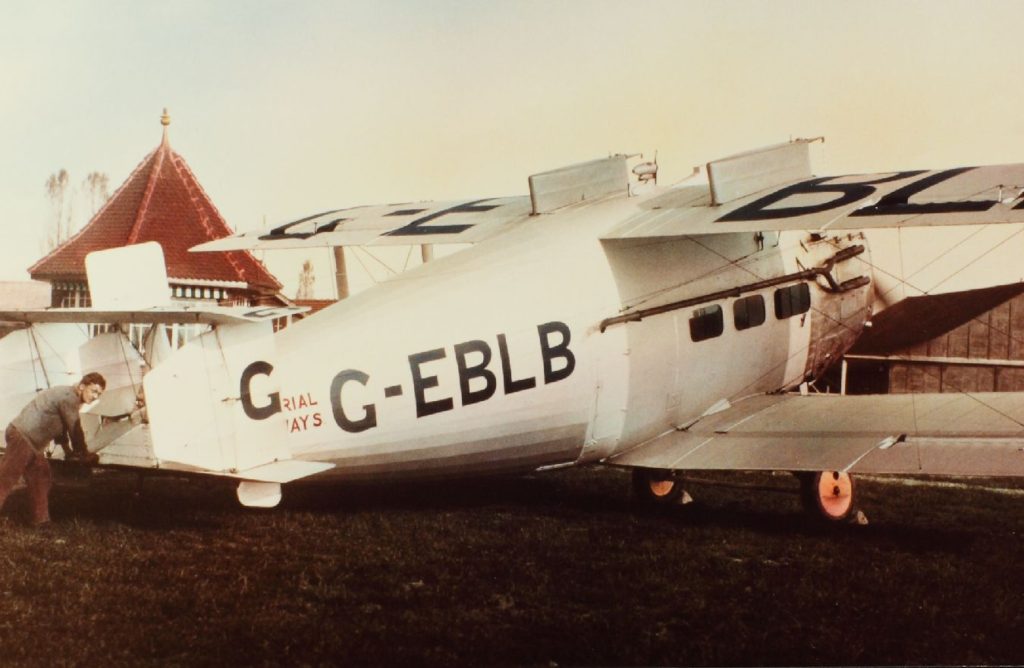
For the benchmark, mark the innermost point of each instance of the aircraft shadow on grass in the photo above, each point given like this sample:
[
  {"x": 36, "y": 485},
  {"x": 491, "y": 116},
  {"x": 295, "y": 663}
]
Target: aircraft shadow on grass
[{"x": 163, "y": 503}]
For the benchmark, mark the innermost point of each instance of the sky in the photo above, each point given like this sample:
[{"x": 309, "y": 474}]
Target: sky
[{"x": 284, "y": 109}]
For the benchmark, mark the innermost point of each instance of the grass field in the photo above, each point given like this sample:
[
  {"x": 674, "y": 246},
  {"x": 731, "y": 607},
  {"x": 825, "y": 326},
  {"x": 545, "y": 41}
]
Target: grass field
[{"x": 553, "y": 569}]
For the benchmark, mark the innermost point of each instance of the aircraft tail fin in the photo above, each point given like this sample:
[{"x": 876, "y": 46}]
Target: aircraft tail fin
[
  {"x": 198, "y": 422},
  {"x": 144, "y": 262}
]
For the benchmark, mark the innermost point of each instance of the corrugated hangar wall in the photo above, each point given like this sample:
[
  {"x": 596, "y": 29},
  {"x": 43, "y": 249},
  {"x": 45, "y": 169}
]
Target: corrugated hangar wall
[{"x": 985, "y": 354}]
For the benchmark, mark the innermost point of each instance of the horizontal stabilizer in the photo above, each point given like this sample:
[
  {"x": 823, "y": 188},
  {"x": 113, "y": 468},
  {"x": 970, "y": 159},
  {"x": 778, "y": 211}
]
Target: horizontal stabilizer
[
  {"x": 282, "y": 471},
  {"x": 123, "y": 443},
  {"x": 127, "y": 443}
]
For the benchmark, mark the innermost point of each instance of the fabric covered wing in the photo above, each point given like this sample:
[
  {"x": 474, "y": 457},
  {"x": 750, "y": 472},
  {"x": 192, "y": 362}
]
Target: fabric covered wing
[
  {"x": 961, "y": 196},
  {"x": 464, "y": 221},
  {"x": 206, "y": 315},
  {"x": 941, "y": 434}
]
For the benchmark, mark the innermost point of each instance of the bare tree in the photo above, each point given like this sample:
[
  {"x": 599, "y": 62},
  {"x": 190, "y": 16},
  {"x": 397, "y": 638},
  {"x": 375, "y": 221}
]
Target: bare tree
[
  {"x": 306, "y": 281},
  {"x": 57, "y": 190},
  {"x": 97, "y": 188}
]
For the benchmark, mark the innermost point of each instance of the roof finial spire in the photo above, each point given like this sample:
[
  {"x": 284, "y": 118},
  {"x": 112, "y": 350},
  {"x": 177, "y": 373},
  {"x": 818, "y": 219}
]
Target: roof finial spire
[{"x": 165, "y": 120}]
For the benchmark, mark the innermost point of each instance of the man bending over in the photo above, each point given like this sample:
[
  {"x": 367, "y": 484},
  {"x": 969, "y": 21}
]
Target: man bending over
[{"x": 52, "y": 414}]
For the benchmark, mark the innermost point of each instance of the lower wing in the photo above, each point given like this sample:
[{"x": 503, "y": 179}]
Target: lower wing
[{"x": 942, "y": 434}]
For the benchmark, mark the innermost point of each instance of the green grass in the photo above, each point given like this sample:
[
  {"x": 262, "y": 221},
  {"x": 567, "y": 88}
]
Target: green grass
[{"x": 558, "y": 568}]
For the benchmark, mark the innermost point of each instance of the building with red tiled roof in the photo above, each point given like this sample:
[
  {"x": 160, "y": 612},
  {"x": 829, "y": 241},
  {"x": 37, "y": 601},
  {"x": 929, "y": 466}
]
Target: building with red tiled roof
[
  {"x": 162, "y": 201},
  {"x": 314, "y": 305}
]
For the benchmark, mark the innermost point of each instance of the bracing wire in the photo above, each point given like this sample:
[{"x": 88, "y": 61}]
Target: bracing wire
[
  {"x": 365, "y": 268},
  {"x": 841, "y": 324},
  {"x": 641, "y": 299},
  {"x": 408, "y": 256},
  {"x": 376, "y": 259},
  {"x": 30, "y": 339}
]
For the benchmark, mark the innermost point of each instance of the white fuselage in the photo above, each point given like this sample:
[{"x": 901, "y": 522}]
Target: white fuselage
[{"x": 493, "y": 359}]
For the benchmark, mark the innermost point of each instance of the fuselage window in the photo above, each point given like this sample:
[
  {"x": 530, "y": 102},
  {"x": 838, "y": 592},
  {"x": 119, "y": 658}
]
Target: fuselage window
[
  {"x": 706, "y": 323},
  {"x": 748, "y": 312},
  {"x": 791, "y": 301}
]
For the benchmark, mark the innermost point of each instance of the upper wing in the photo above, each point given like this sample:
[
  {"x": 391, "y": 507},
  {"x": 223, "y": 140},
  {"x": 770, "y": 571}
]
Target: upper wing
[
  {"x": 963, "y": 196},
  {"x": 763, "y": 190},
  {"x": 464, "y": 221},
  {"x": 942, "y": 434},
  {"x": 773, "y": 189}
]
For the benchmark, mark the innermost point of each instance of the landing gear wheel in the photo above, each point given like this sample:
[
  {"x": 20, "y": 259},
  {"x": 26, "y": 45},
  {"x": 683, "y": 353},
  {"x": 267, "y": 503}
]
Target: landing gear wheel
[
  {"x": 655, "y": 487},
  {"x": 830, "y": 494}
]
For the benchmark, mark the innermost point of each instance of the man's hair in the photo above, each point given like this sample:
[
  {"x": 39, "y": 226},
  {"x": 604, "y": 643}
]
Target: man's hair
[{"x": 93, "y": 378}]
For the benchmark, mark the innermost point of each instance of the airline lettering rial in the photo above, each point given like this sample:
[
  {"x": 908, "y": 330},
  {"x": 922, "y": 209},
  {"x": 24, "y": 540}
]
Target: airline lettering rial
[{"x": 472, "y": 358}]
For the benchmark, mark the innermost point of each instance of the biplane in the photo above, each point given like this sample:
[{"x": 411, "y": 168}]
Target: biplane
[{"x": 600, "y": 319}]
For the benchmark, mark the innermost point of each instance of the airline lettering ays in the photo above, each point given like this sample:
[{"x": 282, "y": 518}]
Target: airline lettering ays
[{"x": 472, "y": 359}]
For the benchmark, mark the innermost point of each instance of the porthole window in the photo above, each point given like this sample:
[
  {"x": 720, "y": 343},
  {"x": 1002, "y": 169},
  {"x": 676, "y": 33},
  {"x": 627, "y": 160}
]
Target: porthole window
[
  {"x": 748, "y": 312},
  {"x": 791, "y": 301},
  {"x": 706, "y": 323}
]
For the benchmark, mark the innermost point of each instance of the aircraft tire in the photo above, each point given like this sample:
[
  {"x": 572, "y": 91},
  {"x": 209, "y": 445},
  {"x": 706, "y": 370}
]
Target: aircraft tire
[
  {"x": 830, "y": 495},
  {"x": 656, "y": 487}
]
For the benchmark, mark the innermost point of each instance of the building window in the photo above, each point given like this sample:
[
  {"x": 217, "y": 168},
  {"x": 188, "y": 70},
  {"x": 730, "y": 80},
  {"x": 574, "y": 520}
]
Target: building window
[
  {"x": 793, "y": 300},
  {"x": 748, "y": 312},
  {"x": 706, "y": 323}
]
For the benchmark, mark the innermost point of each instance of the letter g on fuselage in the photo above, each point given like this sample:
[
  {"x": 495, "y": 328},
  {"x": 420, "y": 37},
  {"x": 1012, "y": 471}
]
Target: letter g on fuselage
[{"x": 252, "y": 411}]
